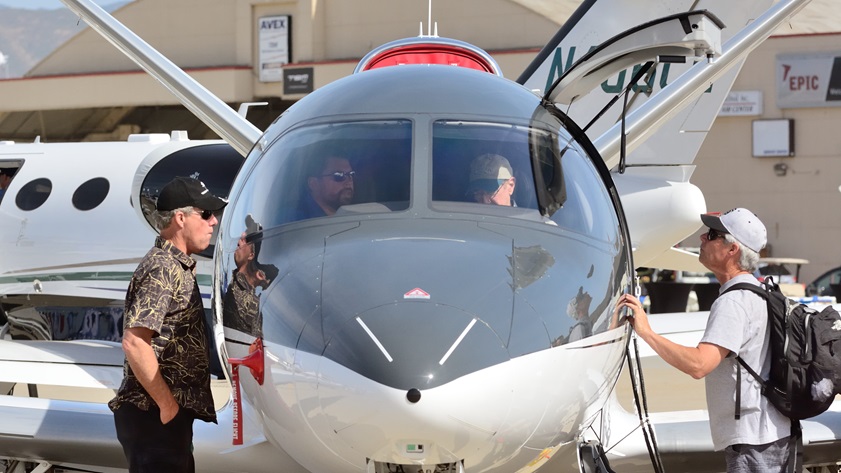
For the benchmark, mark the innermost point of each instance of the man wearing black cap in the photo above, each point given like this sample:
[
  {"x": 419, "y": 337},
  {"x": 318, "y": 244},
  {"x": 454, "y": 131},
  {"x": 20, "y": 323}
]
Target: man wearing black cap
[
  {"x": 166, "y": 382},
  {"x": 752, "y": 432}
]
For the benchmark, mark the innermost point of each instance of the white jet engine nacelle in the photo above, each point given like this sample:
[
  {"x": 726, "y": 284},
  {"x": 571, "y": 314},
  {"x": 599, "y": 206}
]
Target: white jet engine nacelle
[{"x": 663, "y": 208}]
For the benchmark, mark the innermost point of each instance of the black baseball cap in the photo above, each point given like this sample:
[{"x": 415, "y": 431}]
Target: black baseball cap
[{"x": 188, "y": 192}]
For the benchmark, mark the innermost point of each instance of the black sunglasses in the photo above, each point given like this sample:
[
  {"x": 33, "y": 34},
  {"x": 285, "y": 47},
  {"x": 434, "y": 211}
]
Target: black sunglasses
[
  {"x": 205, "y": 214},
  {"x": 340, "y": 176},
  {"x": 713, "y": 234}
]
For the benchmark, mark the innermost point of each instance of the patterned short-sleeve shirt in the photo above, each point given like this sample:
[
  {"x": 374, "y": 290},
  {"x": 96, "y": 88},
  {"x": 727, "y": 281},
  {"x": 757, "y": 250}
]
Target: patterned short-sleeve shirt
[{"x": 163, "y": 296}]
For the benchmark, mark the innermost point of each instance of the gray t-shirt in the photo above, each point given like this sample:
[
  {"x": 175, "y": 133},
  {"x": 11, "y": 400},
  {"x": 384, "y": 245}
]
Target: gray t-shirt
[{"x": 738, "y": 322}]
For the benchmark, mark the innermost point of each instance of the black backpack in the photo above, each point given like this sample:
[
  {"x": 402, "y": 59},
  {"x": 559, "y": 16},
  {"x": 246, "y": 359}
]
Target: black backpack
[{"x": 805, "y": 354}]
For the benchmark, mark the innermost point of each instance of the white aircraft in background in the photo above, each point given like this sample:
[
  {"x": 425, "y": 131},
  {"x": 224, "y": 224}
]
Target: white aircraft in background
[
  {"x": 414, "y": 329},
  {"x": 74, "y": 224}
]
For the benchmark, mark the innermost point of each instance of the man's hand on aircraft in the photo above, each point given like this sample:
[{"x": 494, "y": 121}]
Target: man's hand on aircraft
[{"x": 638, "y": 317}]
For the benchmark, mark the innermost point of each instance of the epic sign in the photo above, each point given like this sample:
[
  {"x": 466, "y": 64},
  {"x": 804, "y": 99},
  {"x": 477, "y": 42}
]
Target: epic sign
[{"x": 808, "y": 80}]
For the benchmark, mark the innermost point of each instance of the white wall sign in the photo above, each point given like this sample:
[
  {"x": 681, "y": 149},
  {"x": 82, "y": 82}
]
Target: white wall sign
[
  {"x": 274, "y": 42},
  {"x": 740, "y": 103},
  {"x": 773, "y": 138},
  {"x": 809, "y": 80}
]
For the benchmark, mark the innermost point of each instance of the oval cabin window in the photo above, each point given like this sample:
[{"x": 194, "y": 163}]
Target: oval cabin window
[
  {"x": 90, "y": 194},
  {"x": 33, "y": 194}
]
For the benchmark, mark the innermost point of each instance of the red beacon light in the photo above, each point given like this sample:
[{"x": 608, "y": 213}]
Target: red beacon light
[{"x": 429, "y": 50}]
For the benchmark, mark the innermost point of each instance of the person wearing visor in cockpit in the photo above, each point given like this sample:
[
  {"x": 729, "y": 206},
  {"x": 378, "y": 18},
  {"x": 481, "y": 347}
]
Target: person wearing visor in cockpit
[{"x": 492, "y": 180}]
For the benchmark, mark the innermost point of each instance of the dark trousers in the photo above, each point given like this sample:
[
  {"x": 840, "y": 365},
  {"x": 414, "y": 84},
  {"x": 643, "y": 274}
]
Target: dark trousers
[{"x": 152, "y": 447}]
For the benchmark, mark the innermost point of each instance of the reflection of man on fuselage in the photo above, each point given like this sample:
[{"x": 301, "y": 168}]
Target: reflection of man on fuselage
[
  {"x": 329, "y": 185},
  {"x": 492, "y": 180},
  {"x": 241, "y": 304}
]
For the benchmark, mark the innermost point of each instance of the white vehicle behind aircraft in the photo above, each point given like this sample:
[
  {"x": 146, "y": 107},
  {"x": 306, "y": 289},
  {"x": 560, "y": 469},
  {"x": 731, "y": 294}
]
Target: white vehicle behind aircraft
[{"x": 416, "y": 328}]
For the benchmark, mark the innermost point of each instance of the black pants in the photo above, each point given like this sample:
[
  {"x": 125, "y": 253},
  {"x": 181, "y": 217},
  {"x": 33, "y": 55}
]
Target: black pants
[{"x": 152, "y": 447}]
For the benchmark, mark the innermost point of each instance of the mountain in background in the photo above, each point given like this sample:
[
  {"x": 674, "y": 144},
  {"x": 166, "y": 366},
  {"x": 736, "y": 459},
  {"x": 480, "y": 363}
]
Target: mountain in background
[{"x": 28, "y": 36}]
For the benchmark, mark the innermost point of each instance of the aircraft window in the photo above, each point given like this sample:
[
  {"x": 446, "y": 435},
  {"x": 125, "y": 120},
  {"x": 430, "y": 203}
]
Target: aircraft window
[
  {"x": 475, "y": 161},
  {"x": 319, "y": 170},
  {"x": 33, "y": 194},
  {"x": 586, "y": 207},
  {"x": 216, "y": 165},
  {"x": 91, "y": 193}
]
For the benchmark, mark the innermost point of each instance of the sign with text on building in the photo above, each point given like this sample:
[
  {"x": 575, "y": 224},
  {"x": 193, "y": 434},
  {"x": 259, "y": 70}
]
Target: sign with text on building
[
  {"x": 741, "y": 103},
  {"x": 298, "y": 80},
  {"x": 809, "y": 80},
  {"x": 275, "y": 33}
]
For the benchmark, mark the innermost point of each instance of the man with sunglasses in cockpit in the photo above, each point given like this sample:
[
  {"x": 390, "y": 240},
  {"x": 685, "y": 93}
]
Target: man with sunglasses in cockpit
[{"x": 329, "y": 185}]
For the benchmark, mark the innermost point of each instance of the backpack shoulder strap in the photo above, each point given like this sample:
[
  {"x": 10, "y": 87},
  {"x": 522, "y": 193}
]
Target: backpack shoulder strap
[{"x": 761, "y": 291}]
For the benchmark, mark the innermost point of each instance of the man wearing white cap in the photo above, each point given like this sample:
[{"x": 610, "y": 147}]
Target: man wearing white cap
[
  {"x": 492, "y": 180},
  {"x": 752, "y": 432}
]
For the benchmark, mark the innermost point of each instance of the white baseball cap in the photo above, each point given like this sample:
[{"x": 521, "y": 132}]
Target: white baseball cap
[{"x": 743, "y": 224}]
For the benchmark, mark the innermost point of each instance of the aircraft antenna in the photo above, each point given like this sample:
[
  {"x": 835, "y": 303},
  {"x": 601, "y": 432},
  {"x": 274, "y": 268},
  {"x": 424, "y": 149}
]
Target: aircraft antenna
[{"x": 429, "y": 21}]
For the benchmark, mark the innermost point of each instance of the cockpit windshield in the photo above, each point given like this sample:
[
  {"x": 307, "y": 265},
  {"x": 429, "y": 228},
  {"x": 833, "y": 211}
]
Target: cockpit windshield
[{"x": 365, "y": 167}]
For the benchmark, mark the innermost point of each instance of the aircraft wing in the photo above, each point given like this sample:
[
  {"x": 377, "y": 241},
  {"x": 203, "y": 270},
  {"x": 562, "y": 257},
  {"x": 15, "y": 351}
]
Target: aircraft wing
[
  {"x": 215, "y": 113},
  {"x": 596, "y": 21},
  {"x": 592, "y": 60},
  {"x": 70, "y": 424}
]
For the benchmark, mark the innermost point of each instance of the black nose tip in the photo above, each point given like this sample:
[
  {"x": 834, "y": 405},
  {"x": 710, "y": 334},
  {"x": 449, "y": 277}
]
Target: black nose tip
[{"x": 413, "y": 395}]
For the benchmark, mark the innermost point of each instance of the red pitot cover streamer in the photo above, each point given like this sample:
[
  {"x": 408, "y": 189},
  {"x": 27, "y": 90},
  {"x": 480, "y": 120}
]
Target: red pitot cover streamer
[{"x": 237, "y": 406}]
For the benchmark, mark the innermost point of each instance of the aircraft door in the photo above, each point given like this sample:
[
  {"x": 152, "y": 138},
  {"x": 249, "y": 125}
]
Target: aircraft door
[
  {"x": 215, "y": 165},
  {"x": 8, "y": 169}
]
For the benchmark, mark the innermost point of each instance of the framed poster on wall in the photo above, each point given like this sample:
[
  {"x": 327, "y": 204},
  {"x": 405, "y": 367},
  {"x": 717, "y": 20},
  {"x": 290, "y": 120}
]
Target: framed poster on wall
[{"x": 773, "y": 138}]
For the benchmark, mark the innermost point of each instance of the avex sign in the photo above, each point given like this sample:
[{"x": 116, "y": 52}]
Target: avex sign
[{"x": 809, "y": 80}]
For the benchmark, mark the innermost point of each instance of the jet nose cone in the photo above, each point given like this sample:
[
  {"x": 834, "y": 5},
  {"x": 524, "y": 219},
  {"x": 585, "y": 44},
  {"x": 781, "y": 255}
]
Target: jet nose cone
[
  {"x": 415, "y": 345},
  {"x": 423, "y": 378}
]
